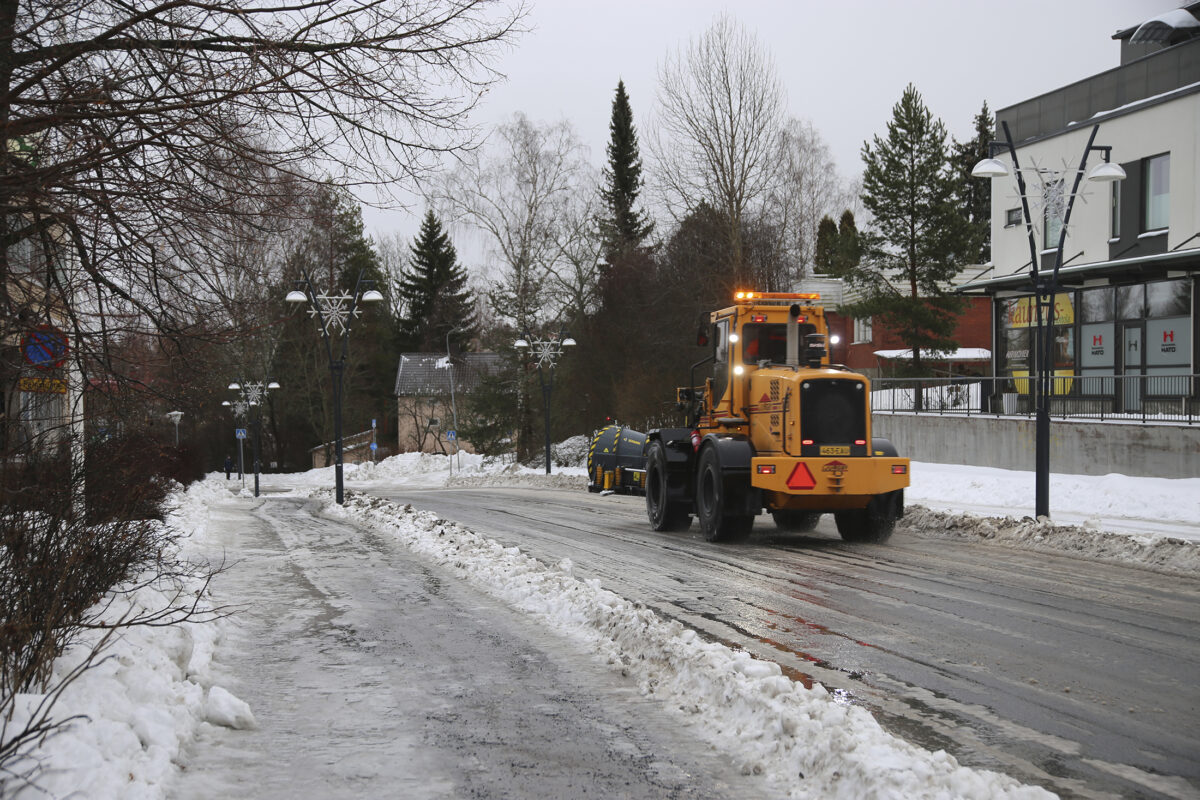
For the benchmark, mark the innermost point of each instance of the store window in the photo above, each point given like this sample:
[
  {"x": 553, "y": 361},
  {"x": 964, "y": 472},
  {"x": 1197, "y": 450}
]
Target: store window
[
  {"x": 1131, "y": 302},
  {"x": 1168, "y": 298},
  {"x": 1096, "y": 305},
  {"x": 1156, "y": 203}
]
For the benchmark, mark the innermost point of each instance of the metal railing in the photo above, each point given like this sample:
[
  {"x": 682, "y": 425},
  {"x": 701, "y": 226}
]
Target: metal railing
[{"x": 1136, "y": 398}]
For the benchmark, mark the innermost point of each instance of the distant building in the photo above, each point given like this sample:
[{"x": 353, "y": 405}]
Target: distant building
[
  {"x": 425, "y": 404},
  {"x": 872, "y": 349},
  {"x": 1125, "y": 322}
]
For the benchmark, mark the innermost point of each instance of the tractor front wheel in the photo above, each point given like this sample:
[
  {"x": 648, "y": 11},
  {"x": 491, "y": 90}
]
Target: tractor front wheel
[{"x": 716, "y": 507}]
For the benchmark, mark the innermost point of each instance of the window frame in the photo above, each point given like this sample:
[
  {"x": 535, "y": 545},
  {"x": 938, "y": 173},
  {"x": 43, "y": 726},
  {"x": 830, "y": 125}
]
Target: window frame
[{"x": 1148, "y": 206}]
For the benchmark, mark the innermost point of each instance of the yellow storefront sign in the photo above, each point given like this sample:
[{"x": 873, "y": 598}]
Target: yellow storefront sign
[
  {"x": 43, "y": 385},
  {"x": 1060, "y": 383},
  {"x": 1022, "y": 312}
]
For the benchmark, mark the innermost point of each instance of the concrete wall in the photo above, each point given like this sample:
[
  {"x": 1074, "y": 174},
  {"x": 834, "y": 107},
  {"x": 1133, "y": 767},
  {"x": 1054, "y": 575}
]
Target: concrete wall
[{"x": 1076, "y": 447}]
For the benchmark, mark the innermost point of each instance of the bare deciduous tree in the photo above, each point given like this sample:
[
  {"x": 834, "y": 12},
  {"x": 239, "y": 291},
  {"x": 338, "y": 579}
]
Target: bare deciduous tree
[
  {"x": 809, "y": 189},
  {"x": 516, "y": 190},
  {"x": 717, "y": 135},
  {"x": 134, "y": 129}
]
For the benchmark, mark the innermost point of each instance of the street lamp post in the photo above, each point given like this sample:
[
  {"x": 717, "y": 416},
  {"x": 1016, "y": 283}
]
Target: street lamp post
[
  {"x": 449, "y": 363},
  {"x": 546, "y": 353},
  {"x": 253, "y": 395},
  {"x": 334, "y": 314},
  {"x": 239, "y": 409},
  {"x": 1056, "y": 206},
  {"x": 175, "y": 416}
]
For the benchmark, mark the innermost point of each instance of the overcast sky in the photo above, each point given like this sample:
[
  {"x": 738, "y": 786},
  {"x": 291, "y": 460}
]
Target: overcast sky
[{"x": 844, "y": 65}]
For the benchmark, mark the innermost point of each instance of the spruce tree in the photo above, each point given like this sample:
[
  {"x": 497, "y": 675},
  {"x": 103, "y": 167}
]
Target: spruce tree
[
  {"x": 623, "y": 228},
  {"x": 433, "y": 293},
  {"x": 917, "y": 234},
  {"x": 825, "y": 254},
  {"x": 975, "y": 196}
]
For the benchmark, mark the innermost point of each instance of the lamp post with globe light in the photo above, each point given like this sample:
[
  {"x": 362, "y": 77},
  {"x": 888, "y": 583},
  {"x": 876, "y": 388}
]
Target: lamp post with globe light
[
  {"x": 334, "y": 313},
  {"x": 1055, "y": 205},
  {"x": 239, "y": 408},
  {"x": 545, "y": 352},
  {"x": 253, "y": 395}
]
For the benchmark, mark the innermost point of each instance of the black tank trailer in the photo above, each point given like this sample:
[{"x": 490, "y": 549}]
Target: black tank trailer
[{"x": 617, "y": 461}]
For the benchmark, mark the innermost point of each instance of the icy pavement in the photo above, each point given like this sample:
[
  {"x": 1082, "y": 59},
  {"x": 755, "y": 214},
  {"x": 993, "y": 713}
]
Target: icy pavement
[{"x": 174, "y": 697}]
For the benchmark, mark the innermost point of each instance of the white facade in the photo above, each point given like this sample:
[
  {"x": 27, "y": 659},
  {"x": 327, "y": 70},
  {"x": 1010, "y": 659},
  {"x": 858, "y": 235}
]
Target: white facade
[{"x": 1136, "y": 133}]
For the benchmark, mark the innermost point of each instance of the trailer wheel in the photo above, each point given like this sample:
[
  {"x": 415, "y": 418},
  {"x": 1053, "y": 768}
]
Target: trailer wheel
[
  {"x": 664, "y": 515},
  {"x": 713, "y": 501},
  {"x": 873, "y": 523},
  {"x": 788, "y": 519}
]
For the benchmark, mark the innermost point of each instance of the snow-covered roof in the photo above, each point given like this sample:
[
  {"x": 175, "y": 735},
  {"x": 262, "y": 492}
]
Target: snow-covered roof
[
  {"x": 961, "y": 354},
  {"x": 429, "y": 373}
]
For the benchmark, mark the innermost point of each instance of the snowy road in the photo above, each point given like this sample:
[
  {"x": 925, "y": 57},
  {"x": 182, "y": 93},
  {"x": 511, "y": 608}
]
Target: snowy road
[
  {"x": 373, "y": 674},
  {"x": 1072, "y": 674}
]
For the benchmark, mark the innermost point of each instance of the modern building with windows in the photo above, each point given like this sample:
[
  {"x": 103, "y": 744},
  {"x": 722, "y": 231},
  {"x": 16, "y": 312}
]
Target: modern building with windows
[{"x": 1125, "y": 324}]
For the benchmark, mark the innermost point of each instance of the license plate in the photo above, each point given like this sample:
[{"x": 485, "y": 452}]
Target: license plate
[{"x": 835, "y": 450}]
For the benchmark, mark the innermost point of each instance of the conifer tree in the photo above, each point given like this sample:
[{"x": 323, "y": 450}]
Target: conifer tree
[
  {"x": 827, "y": 241},
  {"x": 433, "y": 293},
  {"x": 917, "y": 234},
  {"x": 623, "y": 227},
  {"x": 975, "y": 196}
]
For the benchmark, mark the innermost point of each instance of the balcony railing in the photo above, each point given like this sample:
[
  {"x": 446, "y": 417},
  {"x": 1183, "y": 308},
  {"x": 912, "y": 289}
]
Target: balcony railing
[{"x": 1137, "y": 398}]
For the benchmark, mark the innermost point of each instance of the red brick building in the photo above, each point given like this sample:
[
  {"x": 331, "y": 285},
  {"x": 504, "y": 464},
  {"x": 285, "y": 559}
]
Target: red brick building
[{"x": 874, "y": 350}]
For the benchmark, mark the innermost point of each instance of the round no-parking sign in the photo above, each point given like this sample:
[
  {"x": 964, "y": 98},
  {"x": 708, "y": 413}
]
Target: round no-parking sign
[{"x": 46, "y": 347}]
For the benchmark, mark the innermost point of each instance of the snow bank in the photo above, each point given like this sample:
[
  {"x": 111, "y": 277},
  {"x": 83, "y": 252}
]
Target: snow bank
[
  {"x": 1160, "y": 553},
  {"x": 802, "y": 740},
  {"x": 139, "y": 703}
]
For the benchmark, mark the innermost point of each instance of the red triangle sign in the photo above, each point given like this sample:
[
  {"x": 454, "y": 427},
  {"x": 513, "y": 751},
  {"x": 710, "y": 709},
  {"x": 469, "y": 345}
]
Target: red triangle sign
[{"x": 766, "y": 398}]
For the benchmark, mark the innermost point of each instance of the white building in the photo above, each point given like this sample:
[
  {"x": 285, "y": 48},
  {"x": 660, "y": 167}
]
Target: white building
[{"x": 1125, "y": 322}]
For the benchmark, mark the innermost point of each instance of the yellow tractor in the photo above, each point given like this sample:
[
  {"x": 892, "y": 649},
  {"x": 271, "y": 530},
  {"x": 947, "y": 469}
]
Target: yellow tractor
[{"x": 775, "y": 427}]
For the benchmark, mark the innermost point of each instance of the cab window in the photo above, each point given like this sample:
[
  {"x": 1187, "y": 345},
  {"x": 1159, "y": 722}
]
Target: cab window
[{"x": 767, "y": 341}]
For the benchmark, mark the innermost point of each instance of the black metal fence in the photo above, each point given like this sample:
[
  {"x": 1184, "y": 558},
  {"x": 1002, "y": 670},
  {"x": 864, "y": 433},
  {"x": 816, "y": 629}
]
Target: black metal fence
[{"x": 1137, "y": 398}]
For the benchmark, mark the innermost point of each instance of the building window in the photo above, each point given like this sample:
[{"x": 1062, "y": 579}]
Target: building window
[
  {"x": 1012, "y": 217},
  {"x": 862, "y": 330},
  {"x": 1115, "y": 210},
  {"x": 1156, "y": 205}
]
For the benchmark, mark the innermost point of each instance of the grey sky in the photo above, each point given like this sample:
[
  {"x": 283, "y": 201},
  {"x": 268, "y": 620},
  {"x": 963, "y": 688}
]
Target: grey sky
[{"x": 844, "y": 65}]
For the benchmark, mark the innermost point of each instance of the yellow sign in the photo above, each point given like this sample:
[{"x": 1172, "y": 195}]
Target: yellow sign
[
  {"x": 835, "y": 450},
  {"x": 43, "y": 385},
  {"x": 1022, "y": 312},
  {"x": 1060, "y": 383}
]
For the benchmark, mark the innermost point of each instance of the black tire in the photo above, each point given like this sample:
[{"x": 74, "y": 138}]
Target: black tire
[
  {"x": 788, "y": 519},
  {"x": 713, "y": 501},
  {"x": 663, "y": 514},
  {"x": 874, "y": 523}
]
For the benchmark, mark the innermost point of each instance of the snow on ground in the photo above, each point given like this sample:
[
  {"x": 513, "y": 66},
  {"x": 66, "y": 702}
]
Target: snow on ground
[{"x": 155, "y": 687}]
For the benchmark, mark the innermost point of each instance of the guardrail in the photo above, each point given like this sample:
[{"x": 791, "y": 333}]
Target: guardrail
[{"x": 1136, "y": 398}]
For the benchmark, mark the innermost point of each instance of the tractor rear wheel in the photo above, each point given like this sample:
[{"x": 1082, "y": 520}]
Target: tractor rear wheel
[
  {"x": 664, "y": 515},
  {"x": 715, "y": 501},
  {"x": 873, "y": 523},
  {"x": 789, "y": 519}
]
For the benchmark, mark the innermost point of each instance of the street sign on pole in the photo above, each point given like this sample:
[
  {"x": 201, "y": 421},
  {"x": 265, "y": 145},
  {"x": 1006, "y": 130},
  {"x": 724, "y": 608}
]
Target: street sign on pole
[
  {"x": 452, "y": 435},
  {"x": 240, "y": 433}
]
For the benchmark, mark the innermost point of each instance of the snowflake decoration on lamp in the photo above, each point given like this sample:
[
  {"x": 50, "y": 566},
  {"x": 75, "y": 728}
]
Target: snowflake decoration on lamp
[
  {"x": 1049, "y": 198},
  {"x": 240, "y": 407},
  {"x": 335, "y": 309},
  {"x": 545, "y": 351}
]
